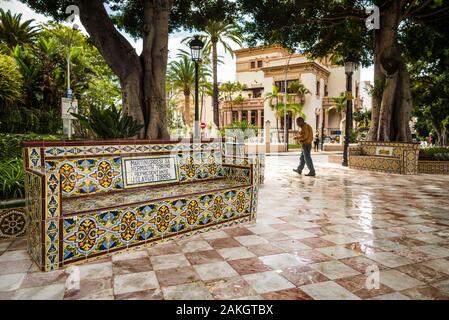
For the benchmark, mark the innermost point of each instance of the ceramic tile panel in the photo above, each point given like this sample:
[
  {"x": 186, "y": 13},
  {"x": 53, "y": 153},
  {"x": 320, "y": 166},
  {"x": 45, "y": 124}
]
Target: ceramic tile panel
[
  {"x": 404, "y": 159},
  {"x": 433, "y": 167},
  {"x": 95, "y": 150},
  {"x": 34, "y": 158},
  {"x": 34, "y": 203},
  {"x": 98, "y": 233},
  {"x": 65, "y": 228},
  {"x": 87, "y": 175},
  {"x": 13, "y": 222}
]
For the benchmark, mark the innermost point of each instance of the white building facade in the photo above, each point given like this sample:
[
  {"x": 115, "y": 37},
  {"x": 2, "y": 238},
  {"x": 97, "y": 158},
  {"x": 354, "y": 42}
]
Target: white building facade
[{"x": 262, "y": 68}]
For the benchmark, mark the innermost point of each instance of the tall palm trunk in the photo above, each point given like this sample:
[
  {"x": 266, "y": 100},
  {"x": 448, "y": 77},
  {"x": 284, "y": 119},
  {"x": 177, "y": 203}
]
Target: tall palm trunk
[
  {"x": 215, "y": 79},
  {"x": 186, "y": 114}
]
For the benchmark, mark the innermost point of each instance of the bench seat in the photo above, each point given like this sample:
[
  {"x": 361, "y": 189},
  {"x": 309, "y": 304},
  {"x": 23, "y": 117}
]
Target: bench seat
[
  {"x": 86, "y": 200},
  {"x": 391, "y": 157},
  {"x": 133, "y": 197}
]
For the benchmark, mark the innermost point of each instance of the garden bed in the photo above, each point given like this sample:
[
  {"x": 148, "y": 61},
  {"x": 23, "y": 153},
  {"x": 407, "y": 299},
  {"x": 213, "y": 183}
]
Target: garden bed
[{"x": 434, "y": 160}]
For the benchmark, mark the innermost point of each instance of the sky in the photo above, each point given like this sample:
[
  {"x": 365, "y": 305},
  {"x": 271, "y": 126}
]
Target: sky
[{"x": 226, "y": 71}]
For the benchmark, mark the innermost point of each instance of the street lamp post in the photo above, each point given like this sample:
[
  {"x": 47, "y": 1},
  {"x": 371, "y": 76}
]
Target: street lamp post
[
  {"x": 196, "y": 48},
  {"x": 350, "y": 66},
  {"x": 69, "y": 89},
  {"x": 285, "y": 104},
  {"x": 323, "y": 111}
]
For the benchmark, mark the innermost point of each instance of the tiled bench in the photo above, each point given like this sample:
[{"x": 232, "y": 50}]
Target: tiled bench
[
  {"x": 391, "y": 157},
  {"x": 88, "y": 199}
]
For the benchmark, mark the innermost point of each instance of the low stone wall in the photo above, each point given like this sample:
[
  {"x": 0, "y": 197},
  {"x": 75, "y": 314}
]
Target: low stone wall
[
  {"x": 390, "y": 157},
  {"x": 433, "y": 167},
  {"x": 13, "y": 221},
  {"x": 333, "y": 147}
]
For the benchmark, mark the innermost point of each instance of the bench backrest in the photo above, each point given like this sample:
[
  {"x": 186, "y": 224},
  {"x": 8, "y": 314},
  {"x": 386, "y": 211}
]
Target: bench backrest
[
  {"x": 94, "y": 167},
  {"x": 387, "y": 149}
]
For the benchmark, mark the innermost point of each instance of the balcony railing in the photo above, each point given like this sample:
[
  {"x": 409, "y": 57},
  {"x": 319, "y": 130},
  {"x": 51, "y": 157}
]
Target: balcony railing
[
  {"x": 358, "y": 102},
  {"x": 249, "y": 103}
]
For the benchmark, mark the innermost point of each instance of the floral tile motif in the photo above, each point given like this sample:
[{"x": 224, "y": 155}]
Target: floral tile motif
[
  {"x": 87, "y": 175},
  {"x": 102, "y": 232}
]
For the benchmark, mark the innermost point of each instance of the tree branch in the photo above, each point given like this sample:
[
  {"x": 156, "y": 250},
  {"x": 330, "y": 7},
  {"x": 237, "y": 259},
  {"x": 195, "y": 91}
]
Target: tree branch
[
  {"x": 430, "y": 14},
  {"x": 116, "y": 50}
]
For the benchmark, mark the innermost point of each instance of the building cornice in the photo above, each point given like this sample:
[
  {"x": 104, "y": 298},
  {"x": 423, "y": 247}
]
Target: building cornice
[
  {"x": 301, "y": 67},
  {"x": 261, "y": 50}
]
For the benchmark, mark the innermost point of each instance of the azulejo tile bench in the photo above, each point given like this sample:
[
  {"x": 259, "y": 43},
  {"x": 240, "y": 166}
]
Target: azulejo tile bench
[
  {"x": 88, "y": 199},
  {"x": 391, "y": 157}
]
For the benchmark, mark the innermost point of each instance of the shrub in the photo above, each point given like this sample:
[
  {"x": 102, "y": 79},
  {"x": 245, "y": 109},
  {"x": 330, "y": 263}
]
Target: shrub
[
  {"x": 240, "y": 130},
  {"x": 12, "y": 179},
  {"x": 109, "y": 123},
  {"x": 434, "y": 153},
  {"x": 11, "y": 144}
]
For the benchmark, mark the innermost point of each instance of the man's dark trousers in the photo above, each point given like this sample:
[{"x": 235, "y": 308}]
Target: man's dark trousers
[{"x": 306, "y": 158}]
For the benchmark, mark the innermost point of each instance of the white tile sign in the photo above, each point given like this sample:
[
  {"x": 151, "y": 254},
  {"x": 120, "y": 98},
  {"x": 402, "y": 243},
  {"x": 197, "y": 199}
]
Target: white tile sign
[
  {"x": 144, "y": 171},
  {"x": 384, "y": 151}
]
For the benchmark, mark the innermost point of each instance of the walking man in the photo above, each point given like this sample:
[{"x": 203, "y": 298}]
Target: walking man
[{"x": 305, "y": 138}]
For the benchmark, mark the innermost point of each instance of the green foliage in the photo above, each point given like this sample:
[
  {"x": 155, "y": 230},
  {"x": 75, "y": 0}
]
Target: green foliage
[
  {"x": 11, "y": 163},
  {"x": 10, "y": 84},
  {"x": 340, "y": 102},
  {"x": 363, "y": 120},
  {"x": 12, "y": 179},
  {"x": 229, "y": 89},
  {"x": 428, "y": 55},
  {"x": 240, "y": 130},
  {"x": 219, "y": 32},
  {"x": 128, "y": 15},
  {"x": 11, "y": 146},
  {"x": 434, "y": 153},
  {"x": 41, "y": 71},
  {"x": 353, "y": 136},
  {"x": 14, "y": 32},
  {"x": 109, "y": 123}
]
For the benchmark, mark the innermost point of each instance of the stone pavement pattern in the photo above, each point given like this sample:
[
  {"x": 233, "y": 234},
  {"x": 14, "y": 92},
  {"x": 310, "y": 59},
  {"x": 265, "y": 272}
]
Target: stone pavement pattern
[{"x": 315, "y": 238}]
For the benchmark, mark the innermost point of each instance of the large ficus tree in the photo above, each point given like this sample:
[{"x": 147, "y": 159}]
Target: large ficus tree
[
  {"x": 338, "y": 28},
  {"x": 142, "y": 77}
]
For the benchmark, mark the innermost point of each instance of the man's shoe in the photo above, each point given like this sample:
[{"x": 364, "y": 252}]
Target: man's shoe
[
  {"x": 310, "y": 175},
  {"x": 297, "y": 171}
]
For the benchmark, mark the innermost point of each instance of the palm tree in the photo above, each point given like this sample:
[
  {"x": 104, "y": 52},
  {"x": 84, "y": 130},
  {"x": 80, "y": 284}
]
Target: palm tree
[
  {"x": 340, "y": 103},
  {"x": 273, "y": 100},
  {"x": 340, "y": 106},
  {"x": 181, "y": 74},
  {"x": 219, "y": 32},
  {"x": 299, "y": 89},
  {"x": 14, "y": 32}
]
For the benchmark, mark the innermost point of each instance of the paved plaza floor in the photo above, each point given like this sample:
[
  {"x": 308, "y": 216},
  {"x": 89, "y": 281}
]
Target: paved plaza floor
[{"x": 345, "y": 234}]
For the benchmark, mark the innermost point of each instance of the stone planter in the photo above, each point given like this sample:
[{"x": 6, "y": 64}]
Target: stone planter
[
  {"x": 13, "y": 221},
  {"x": 389, "y": 157},
  {"x": 433, "y": 167}
]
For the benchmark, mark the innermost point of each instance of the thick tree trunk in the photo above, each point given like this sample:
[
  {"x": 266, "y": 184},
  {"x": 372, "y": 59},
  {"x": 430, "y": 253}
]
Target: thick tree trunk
[
  {"x": 444, "y": 138},
  {"x": 142, "y": 78},
  {"x": 386, "y": 108},
  {"x": 154, "y": 58},
  {"x": 215, "y": 84},
  {"x": 379, "y": 82},
  {"x": 441, "y": 133},
  {"x": 391, "y": 107}
]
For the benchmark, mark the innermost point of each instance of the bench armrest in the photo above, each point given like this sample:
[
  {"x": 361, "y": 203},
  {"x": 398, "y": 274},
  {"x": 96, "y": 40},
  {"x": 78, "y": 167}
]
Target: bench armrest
[
  {"x": 244, "y": 169},
  {"x": 355, "y": 151}
]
